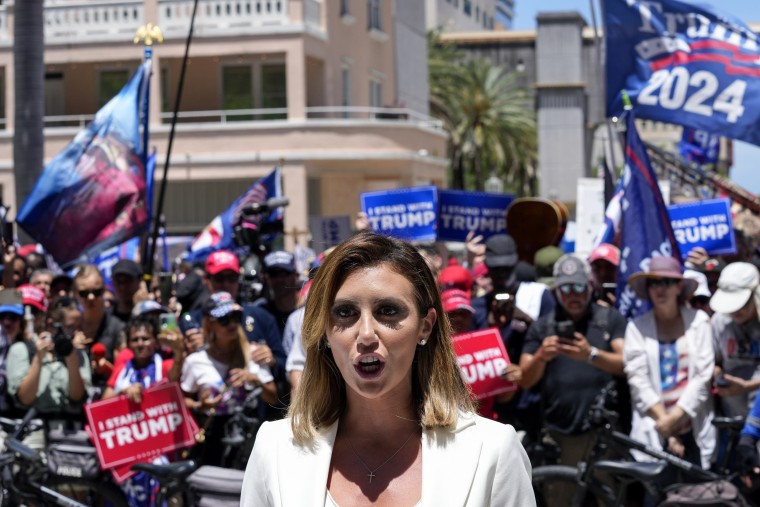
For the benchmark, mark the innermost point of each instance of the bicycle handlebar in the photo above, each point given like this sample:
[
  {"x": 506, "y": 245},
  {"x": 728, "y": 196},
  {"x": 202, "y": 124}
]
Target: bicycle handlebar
[
  {"x": 601, "y": 416},
  {"x": 19, "y": 431},
  {"x": 19, "y": 449}
]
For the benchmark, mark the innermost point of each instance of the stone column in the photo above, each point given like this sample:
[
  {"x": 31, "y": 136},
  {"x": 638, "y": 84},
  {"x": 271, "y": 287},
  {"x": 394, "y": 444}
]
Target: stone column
[{"x": 561, "y": 103}]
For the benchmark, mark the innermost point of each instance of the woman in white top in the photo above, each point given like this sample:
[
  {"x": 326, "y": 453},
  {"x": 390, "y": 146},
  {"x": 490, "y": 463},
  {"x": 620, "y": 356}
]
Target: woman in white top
[
  {"x": 219, "y": 377},
  {"x": 382, "y": 416},
  {"x": 669, "y": 359}
]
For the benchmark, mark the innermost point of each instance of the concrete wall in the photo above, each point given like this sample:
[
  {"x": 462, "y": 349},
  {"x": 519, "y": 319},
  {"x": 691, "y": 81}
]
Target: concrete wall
[{"x": 411, "y": 56}]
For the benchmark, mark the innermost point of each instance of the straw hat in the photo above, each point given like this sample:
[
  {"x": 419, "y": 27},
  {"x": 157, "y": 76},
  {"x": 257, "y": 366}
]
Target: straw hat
[{"x": 661, "y": 267}]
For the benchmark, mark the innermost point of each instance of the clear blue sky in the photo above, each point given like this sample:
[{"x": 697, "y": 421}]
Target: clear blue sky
[{"x": 746, "y": 170}]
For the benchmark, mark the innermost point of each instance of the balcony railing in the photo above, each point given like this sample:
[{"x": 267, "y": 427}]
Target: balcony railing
[
  {"x": 88, "y": 21},
  {"x": 93, "y": 21},
  {"x": 336, "y": 114},
  {"x": 221, "y": 17}
]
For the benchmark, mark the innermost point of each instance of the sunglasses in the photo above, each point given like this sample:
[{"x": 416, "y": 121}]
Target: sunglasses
[
  {"x": 84, "y": 294},
  {"x": 578, "y": 288},
  {"x": 225, "y": 320},
  {"x": 662, "y": 282},
  {"x": 8, "y": 315}
]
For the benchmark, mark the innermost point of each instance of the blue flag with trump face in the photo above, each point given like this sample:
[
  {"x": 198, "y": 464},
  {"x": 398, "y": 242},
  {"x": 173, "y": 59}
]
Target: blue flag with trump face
[
  {"x": 645, "y": 230},
  {"x": 92, "y": 195},
  {"x": 685, "y": 63},
  {"x": 220, "y": 233}
]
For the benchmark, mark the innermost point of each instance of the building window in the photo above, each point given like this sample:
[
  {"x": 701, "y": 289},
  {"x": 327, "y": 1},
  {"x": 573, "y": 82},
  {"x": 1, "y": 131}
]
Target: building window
[
  {"x": 477, "y": 13},
  {"x": 345, "y": 89},
  {"x": 375, "y": 93},
  {"x": 111, "y": 83},
  {"x": 254, "y": 86},
  {"x": 373, "y": 15},
  {"x": 344, "y": 10},
  {"x": 164, "y": 88},
  {"x": 237, "y": 89},
  {"x": 273, "y": 89},
  {"x": 468, "y": 7}
]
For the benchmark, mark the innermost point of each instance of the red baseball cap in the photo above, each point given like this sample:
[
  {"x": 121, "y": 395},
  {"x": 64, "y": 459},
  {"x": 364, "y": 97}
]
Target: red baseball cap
[
  {"x": 455, "y": 299},
  {"x": 479, "y": 270},
  {"x": 605, "y": 252},
  {"x": 222, "y": 260},
  {"x": 33, "y": 296},
  {"x": 455, "y": 277}
]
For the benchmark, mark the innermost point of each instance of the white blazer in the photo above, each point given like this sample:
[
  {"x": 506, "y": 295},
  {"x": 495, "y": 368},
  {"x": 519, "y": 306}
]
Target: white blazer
[
  {"x": 479, "y": 463},
  {"x": 641, "y": 356}
]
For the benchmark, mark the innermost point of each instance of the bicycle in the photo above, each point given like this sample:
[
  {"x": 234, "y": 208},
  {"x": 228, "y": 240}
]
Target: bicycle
[
  {"x": 25, "y": 478},
  {"x": 583, "y": 479}
]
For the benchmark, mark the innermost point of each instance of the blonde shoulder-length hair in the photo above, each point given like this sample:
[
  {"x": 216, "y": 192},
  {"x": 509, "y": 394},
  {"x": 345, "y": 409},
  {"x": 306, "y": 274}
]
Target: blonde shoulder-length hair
[
  {"x": 438, "y": 391},
  {"x": 242, "y": 355}
]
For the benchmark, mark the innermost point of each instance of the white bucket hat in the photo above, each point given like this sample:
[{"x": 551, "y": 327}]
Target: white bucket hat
[{"x": 737, "y": 282}]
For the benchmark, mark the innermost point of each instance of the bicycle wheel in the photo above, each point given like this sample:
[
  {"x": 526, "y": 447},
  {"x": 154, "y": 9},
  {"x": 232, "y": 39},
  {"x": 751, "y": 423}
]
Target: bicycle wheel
[
  {"x": 89, "y": 492},
  {"x": 557, "y": 485}
]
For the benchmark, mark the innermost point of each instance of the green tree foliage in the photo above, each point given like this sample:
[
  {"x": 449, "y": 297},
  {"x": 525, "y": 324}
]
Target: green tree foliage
[{"x": 490, "y": 120}]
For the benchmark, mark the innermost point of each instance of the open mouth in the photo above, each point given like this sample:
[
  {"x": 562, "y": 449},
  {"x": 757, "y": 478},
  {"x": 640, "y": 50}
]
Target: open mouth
[{"x": 369, "y": 366}]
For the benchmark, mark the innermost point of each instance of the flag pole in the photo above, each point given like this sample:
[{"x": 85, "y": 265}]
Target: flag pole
[
  {"x": 149, "y": 34},
  {"x": 148, "y": 262},
  {"x": 610, "y": 130}
]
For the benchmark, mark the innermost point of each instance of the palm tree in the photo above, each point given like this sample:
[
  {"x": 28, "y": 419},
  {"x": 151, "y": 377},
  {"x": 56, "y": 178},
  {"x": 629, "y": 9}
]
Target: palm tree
[
  {"x": 445, "y": 78},
  {"x": 29, "y": 82},
  {"x": 490, "y": 121}
]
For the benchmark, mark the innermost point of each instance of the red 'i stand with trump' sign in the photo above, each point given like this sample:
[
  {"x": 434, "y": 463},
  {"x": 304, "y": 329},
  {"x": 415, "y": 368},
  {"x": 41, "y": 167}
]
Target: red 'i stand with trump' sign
[{"x": 482, "y": 359}]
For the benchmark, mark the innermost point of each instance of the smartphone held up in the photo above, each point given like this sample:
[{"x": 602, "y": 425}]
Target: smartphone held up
[{"x": 168, "y": 322}]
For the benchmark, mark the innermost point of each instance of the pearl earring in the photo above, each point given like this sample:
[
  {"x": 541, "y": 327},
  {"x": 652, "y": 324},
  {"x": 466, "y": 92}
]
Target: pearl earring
[{"x": 422, "y": 342}]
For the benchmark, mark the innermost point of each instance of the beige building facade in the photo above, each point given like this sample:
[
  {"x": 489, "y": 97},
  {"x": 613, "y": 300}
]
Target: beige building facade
[{"x": 310, "y": 82}]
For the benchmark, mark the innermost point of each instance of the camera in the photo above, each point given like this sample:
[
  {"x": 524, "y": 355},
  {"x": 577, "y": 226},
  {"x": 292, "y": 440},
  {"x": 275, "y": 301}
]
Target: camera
[
  {"x": 62, "y": 342},
  {"x": 566, "y": 329}
]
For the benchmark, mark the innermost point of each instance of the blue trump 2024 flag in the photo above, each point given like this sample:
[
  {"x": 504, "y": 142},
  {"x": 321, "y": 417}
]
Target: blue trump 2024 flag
[
  {"x": 683, "y": 63},
  {"x": 92, "y": 195},
  {"x": 219, "y": 234},
  {"x": 645, "y": 230}
]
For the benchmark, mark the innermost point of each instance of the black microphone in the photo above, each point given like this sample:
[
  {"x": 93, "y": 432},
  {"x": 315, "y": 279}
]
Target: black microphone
[{"x": 265, "y": 207}]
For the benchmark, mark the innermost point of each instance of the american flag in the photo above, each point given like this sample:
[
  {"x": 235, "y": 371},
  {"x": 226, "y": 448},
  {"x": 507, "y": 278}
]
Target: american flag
[{"x": 218, "y": 235}]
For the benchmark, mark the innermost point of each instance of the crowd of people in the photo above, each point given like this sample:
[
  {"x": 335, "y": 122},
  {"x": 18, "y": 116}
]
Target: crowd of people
[{"x": 66, "y": 340}]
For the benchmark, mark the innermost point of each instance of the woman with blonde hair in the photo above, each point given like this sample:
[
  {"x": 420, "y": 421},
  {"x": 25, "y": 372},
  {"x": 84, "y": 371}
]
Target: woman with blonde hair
[
  {"x": 382, "y": 415},
  {"x": 219, "y": 377}
]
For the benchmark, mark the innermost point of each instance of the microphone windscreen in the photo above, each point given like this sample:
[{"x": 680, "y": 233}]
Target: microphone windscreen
[{"x": 98, "y": 350}]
